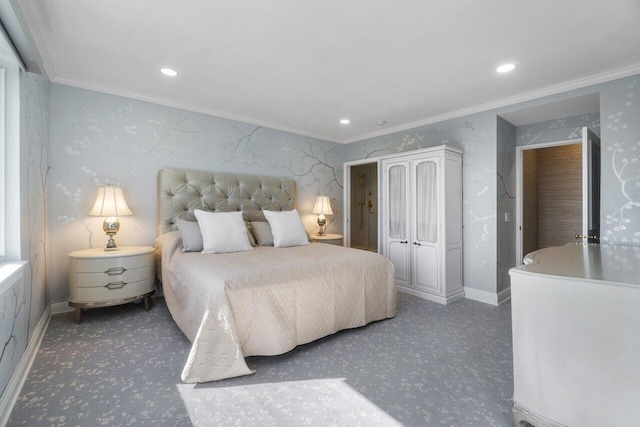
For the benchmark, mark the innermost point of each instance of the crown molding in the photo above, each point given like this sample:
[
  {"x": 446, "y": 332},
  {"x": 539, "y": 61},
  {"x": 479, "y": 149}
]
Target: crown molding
[
  {"x": 33, "y": 28},
  {"x": 190, "y": 107},
  {"x": 528, "y": 96}
]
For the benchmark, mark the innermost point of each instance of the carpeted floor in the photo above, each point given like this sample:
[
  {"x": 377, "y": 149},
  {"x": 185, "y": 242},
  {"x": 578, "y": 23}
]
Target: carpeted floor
[{"x": 431, "y": 365}]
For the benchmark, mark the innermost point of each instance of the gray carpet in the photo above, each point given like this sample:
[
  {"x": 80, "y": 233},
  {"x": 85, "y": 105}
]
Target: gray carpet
[{"x": 431, "y": 365}]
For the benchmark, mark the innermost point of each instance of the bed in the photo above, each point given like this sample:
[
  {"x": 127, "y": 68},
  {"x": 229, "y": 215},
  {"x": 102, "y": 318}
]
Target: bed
[{"x": 265, "y": 301}]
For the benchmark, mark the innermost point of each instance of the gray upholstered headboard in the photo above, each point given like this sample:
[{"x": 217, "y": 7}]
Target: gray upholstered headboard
[{"x": 181, "y": 191}]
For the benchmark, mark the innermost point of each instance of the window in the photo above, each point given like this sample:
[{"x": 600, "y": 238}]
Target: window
[
  {"x": 3, "y": 166},
  {"x": 9, "y": 150}
]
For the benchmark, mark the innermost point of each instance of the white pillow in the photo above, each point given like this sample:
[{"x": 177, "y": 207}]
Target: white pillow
[
  {"x": 222, "y": 232},
  {"x": 287, "y": 228}
]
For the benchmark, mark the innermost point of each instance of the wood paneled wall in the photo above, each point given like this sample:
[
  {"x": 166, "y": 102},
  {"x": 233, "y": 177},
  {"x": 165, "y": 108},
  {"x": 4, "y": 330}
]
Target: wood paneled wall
[
  {"x": 529, "y": 201},
  {"x": 559, "y": 194}
]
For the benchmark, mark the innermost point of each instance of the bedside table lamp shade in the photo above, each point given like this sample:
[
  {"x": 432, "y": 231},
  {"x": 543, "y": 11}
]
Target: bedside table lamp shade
[
  {"x": 110, "y": 203},
  {"x": 322, "y": 208}
]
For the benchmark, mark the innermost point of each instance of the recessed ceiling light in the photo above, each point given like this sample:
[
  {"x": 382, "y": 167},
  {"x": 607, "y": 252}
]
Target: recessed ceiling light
[
  {"x": 504, "y": 68},
  {"x": 381, "y": 122},
  {"x": 168, "y": 72},
  {"x": 345, "y": 121}
]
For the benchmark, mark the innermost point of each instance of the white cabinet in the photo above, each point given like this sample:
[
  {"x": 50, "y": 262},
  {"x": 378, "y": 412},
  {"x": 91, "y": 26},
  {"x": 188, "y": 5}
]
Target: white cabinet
[{"x": 422, "y": 221}]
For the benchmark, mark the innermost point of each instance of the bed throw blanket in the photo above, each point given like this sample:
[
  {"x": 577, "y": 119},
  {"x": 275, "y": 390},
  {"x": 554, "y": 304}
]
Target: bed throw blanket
[{"x": 269, "y": 300}]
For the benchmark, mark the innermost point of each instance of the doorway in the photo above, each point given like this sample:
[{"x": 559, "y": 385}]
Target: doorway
[
  {"x": 362, "y": 199},
  {"x": 558, "y": 197}
]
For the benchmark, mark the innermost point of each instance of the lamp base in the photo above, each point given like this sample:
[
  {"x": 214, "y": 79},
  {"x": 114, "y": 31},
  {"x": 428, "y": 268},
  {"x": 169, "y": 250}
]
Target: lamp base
[
  {"x": 321, "y": 223},
  {"x": 111, "y": 226},
  {"x": 111, "y": 244}
]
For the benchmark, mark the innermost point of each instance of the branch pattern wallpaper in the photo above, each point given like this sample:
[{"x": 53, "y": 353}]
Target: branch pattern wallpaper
[
  {"x": 22, "y": 304},
  {"x": 99, "y": 139},
  {"x": 476, "y": 135}
]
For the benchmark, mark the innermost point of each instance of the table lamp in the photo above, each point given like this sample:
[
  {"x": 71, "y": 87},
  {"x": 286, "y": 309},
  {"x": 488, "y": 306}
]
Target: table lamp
[
  {"x": 322, "y": 208},
  {"x": 110, "y": 203}
]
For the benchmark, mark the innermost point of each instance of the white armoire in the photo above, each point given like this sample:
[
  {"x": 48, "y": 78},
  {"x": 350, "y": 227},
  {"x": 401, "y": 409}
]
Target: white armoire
[{"x": 422, "y": 221}]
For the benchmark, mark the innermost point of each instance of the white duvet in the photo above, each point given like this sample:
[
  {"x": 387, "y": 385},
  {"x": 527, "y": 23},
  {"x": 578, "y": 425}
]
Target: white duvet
[{"x": 269, "y": 300}]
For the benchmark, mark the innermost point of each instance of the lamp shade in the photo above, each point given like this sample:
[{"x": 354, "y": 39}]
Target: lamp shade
[
  {"x": 323, "y": 206},
  {"x": 110, "y": 202}
]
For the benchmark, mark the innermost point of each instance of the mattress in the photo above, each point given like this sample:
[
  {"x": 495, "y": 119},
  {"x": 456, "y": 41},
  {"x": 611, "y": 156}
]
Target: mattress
[{"x": 269, "y": 300}]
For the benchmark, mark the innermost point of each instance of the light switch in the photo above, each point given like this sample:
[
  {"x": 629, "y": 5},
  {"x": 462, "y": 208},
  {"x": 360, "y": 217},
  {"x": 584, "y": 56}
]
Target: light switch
[{"x": 506, "y": 217}]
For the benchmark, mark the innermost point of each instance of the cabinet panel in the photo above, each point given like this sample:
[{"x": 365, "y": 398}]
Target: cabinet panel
[
  {"x": 398, "y": 254},
  {"x": 396, "y": 219},
  {"x": 425, "y": 266},
  {"x": 425, "y": 194}
]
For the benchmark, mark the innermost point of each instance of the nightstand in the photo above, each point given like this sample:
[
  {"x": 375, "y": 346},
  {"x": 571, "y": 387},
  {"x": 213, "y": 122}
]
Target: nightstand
[
  {"x": 332, "y": 239},
  {"x": 99, "y": 278}
]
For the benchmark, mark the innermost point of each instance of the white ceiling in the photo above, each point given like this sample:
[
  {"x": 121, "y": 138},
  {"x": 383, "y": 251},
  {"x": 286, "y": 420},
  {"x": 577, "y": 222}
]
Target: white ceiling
[{"x": 302, "y": 65}]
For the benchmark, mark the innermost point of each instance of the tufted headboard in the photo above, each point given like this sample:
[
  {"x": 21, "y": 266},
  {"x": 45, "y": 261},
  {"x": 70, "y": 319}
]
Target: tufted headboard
[{"x": 181, "y": 191}]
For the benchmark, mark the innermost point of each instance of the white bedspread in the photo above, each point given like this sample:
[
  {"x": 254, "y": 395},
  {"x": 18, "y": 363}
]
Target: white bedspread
[{"x": 269, "y": 300}]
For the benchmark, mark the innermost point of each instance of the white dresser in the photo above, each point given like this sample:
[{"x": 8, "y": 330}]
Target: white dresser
[
  {"x": 99, "y": 278},
  {"x": 576, "y": 336}
]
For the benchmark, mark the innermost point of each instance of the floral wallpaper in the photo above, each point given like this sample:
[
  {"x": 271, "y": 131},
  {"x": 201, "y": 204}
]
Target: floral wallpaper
[
  {"x": 476, "y": 135},
  {"x": 22, "y": 304},
  {"x": 35, "y": 175},
  {"x": 98, "y": 139},
  {"x": 489, "y": 163},
  {"x": 620, "y": 133},
  {"x": 557, "y": 130},
  {"x": 506, "y": 186}
]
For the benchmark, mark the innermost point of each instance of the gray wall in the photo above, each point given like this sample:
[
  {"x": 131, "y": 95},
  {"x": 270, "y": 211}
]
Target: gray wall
[
  {"x": 22, "y": 306},
  {"x": 98, "y": 139},
  {"x": 34, "y": 136},
  {"x": 476, "y": 135},
  {"x": 505, "y": 186},
  {"x": 620, "y": 133},
  {"x": 561, "y": 129}
]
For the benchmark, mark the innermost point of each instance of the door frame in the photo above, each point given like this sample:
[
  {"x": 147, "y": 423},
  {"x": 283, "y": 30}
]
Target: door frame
[
  {"x": 347, "y": 199},
  {"x": 519, "y": 171}
]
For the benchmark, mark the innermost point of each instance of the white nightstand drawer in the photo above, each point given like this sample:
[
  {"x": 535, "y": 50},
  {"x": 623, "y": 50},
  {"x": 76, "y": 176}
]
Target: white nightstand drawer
[
  {"x": 97, "y": 295},
  {"x": 102, "y": 265},
  {"x": 89, "y": 280},
  {"x": 331, "y": 239}
]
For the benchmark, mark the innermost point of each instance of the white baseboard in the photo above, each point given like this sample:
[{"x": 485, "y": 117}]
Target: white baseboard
[
  {"x": 12, "y": 391},
  {"x": 431, "y": 297},
  {"x": 504, "y": 295},
  {"x": 60, "y": 307},
  {"x": 482, "y": 296}
]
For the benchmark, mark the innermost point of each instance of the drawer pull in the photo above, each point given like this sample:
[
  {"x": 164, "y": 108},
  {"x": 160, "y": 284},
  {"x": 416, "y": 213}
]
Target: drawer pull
[
  {"x": 115, "y": 271},
  {"x": 115, "y": 285}
]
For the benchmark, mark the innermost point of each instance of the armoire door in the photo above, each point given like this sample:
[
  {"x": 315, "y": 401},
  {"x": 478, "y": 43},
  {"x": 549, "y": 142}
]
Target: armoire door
[
  {"x": 396, "y": 217},
  {"x": 424, "y": 227}
]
